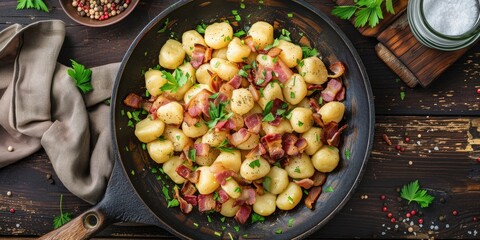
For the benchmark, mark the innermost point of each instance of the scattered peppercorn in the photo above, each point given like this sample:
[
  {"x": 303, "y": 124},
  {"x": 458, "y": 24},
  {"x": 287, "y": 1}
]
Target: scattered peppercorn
[
  {"x": 420, "y": 221},
  {"x": 49, "y": 176},
  {"x": 407, "y": 139},
  {"x": 478, "y": 159},
  {"x": 402, "y": 89},
  {"x": 410, "y": 229},
  {"x": 410, "y": 163},
  {"x": 384, "y": 209},
  {"x": 397, "y": 189},
  {"x": 441, "y": 218},
  {"x": 475, "y": 219},
  {"x": 478, "y": 90},
  {"x": 392, "y": 220},
  {"x": 389, "y": 215},
  {"x": 455, "y": 213},
  {"x": 10, "y": 149},
  {"x": 9, "y": 193},
  {"x": 382, "y": 197},
  {"x": 398, "y": 147},
  {"x": 408, "y": 215},
  {"x": 413, "y": 212},
  {"x": 12, "y": 210},
  {"x": 402, "y": 149},
  {"x": 100, "y": 9}
]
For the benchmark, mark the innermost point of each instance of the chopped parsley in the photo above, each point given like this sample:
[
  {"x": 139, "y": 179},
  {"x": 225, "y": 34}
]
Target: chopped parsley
[
  {"x": 165, "y": 193},
  {"x": 290, "y": 222},
  {"x": 174, "y": 81},
  {"x": 402, "y": 95},
  {"x": 223, "y": 147},
  {"x": 279, "y": 231},
  {"x": 268, "y": 118},
  {"x": 328, "y": 189},
  {"x": 347, "y": 154},
  {"x": 243, "y": 73},
  {"x": 257, "y": 218},
  {"x": 290, "y": 15},
  {"x": 238, "y": 189},
  {"x": 218, "y": 113},
  {"x": 292, "y": 95},
  {"x": 173, "y": 203},
  {"x": 290, "y": 199},
  {"x": 300, "y": 123},
  {"x": 268, "y": 47},
  {"x": 267, "y": 181},
  {"x": 297, "y": 170},
  {"x": 254, "y": 163},
  {"x": 165, "y": 25},
  {"x": 309, "y": 52},
  {"x": 201, "y": 28},
  {"x": 192, "y": 154},
  {"x": 285, "y": 35}
]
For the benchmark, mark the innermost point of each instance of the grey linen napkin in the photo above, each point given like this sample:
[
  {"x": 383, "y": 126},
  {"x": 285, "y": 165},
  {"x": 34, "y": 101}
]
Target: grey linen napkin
[{"x": 40, "y": 106}]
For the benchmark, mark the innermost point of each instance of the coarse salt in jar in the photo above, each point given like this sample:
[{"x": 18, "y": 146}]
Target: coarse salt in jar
[{"x": 446, "y": 25}]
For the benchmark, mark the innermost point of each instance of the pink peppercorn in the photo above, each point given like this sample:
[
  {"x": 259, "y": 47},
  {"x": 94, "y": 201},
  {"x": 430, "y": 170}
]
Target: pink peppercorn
[
  {"x": 12, "y": 210},
  {"x": 384, "y": 209},
  {"x": 455, "y": 213},
  {"x": 392, "y": 220},
  {"x": 413, "y": 212},
  {"x": 382, "y": 197},
  {"x": 420, "y": 221},
  {"x": 408, "y": 215},
  {"x": 389, "y": 215}
]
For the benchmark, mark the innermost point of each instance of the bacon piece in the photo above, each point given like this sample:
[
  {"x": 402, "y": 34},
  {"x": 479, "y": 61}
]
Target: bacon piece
[
  {"x": 159, "y": 101},
  {"x": 222, "y": 176},
  {"x": 319, "y": 178},
  {"x": 258, "y": 188},
  {"x": 185, "y": 207},
  {"x": 223, "y": 196},
  {"x": 199, "y": 104},
  {"x": 206, "y": 202},
  {"x": 317, "y": 118},
  {"x": 246, "y": 197},
  {"x": 274, "y": 52},
  {"x": 239, "y": 137},
  {"x": 188, "y": 188},
  {"x": 227, "y": 90},
  {"x": 148, "y": 105},
  {"x": 236, "y": 122},
  {"x": 335, "y": 139},
  {"x": 192, "y": 199},
  {"x": 288, "y": 144},
  {"x": 301, "y": 144},
  {"x": 312, "y": 196},
  {"x": 311, "y": 87},
  {"x": 305, "y": 183},
  {"x": 208, "y": 55},
  {"x": 254, "y": 123},
  {"x": 314, "y": 104},
  {"x": 215, "y": 81},
  {"x": 133, "y": 100},
  {"x": 334, "y": 86},
  {"x": 236, "y": 81},
  {"x": 282, "y": 71},
  {"x": 276, "y": 122},
  {"x": 198, "y": 55},
  {"x": 273, "y": 144},
  {"x": 258, "y": 150},
  {"x": 248, "y": 40},
  {"x": 189, "y": 120},
  {"x": 202, "y": 149},
  {"x": 255, "y": 93},
  {"x": 337, "y": 68},
  {"x": 340, "y": 95},
  {"x": 243, "y": 214},
  {"x": 187, "y": 173}
]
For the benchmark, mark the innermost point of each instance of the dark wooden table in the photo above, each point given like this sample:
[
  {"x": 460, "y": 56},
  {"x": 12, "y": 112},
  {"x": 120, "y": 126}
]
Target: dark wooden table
[{"x": 442, "y": 122}]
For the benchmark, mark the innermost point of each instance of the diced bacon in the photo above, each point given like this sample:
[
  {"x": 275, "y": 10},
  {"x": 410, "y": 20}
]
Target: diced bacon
[
  {"x": 274, "y": 52},
  {"x": 317, "y": 119},
  {"x": 340, "y": 95},
  {"x": 192, "y": 199},
  {"x": 255, "y": 93},
  {"x": 254, "y": 123},
  {"x": 222, "y": 176},
  {"x": 305, "y": 183},
  {"x": 248, "y": 40},
  {"x": 208, "y": 55},
  {"x": 133, "y": 100},
  {"x": 288, "y": 144},
  {"x": 236, "y": 81},
  {"x": 258, "y": 188},
  {"x": 263, "y": 76},
  {"x": 312, "y": 196},
  {"x": 240, "y": 137},
  {"x": 314, "y": 104},
  {"x": 148, "y": 105},
  {"x": 189, "y": 120},
  {"x": 301, "y": 144},
  {"x": 246, "y": 197},
  {"x": 206, "y": 202},
  {"x": 335, "y": 139},
  {"x": 220, "y": 98},
  {"x": 282, "y": 71},
  {"x": 185, "y": 207},
  {"x": 187, "y": 173},
  {"x": 258, "y": 150},
  {"x": 236, "y": 122},
  {"x": 202, "y": 149},
  {"x": 227, "y": 90},
  {"x": 198, "y": 55},
  {"x": 273, "y": 144},
  {"x": 276, "y": 122},
  {"x": 188, "y": 188},
  {"x": 215, "y": 81},
  {"x": 199, "y": 104},
  {"x": 243, "y": 214},
  {"x": 312, "y": 87},
  {"x": 337, "y": 68},
  {"x": 223, "y": 196},
  {"x": 318, "y": 178},
  {"x": 334, "y": 86}
]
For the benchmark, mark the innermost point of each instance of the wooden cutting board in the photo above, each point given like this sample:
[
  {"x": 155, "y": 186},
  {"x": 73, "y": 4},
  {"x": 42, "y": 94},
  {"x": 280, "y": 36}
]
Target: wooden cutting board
[{"x": 413, "y": 62}]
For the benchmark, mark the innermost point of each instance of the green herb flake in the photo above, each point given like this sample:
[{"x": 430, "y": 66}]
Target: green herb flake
[
  {"x": 242, "y": 5},
  {"x": 279, "y": 231},
  {"x": 144, "y": 146},
  {"x": 216, "y": 197},
  {"x": 165, "y": 25},
  {"x": 328, "y": 189},
  {"x": 285, "y": 35},
  {"x": 218, "y": 113},
  {"x": 201, "y": 28},
  {"x": 290, "y": 222},
  {"x": 37, "y": 4},
  {"x": 63, "y": 218},
  {"x": 402, "y": 95},
  {"x": 305, "y": 192},
  {"x": 413, "y": 193},
  {"x": 217, "y": 64},
  {"x": 154, "y": 170},
  {"x": 292, "y": 95},
  {"x": 347, "y": 154},
  {"x": 243, "y": 73},
  {"x": 192, "y": 154},
  {"x": 290, "y": 200},
  {"x": 132, "y": 172},
  {"x": 173, "y": 203},
  {"x": 174, "y": 81},
  {"x": 257, "y": 218},
  {"x": 268, "y": 47},
  {"x": 320, "y": 101},
  {"x": 82, "y": 76},
  {"x": 130, "y": 123},
  {"x": 222, "y": 219},
  {"x": 209, "y": 219},
  {"x": 290, "y": 15},
  {"x": 223, "y": 146},
  {"x": 230, "y": 235},
  {"x": 165, "y": 193},
  {"x": 267, "y": 181},
  {"x": 254, "y": 163},
  {"x": 238, "y": 189},
  {"x": 297, "y": 170},
  {"x": 195, "y": 224},
  {"x": 309, "y": 52},
  {"x": 237, "y": 228},
  {"x": 300, "y": 123},
  {"x": 300, "y": 63},
  {"x": 268, "y": 118}
]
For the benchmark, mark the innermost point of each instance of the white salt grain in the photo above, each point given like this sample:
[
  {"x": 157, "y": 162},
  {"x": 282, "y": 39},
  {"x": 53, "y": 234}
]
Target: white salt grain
[
  {"x": 451, "y": 17},
  {"x": 10, "y": 149}
]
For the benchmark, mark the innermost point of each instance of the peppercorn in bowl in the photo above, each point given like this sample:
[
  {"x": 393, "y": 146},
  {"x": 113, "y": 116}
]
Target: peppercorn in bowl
[{"x": 98, "y": 13}]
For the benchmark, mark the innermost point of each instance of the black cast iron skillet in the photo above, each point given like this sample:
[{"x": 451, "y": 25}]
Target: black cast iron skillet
[{"x": 135, "y": 195}]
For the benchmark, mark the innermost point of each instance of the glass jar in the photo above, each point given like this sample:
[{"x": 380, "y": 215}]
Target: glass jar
[{"x": 426, "y": 34}]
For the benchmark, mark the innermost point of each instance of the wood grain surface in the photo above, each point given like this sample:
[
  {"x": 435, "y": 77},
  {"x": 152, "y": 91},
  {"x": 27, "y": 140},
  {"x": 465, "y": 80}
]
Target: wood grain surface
[{"x": 442, "y": 122}]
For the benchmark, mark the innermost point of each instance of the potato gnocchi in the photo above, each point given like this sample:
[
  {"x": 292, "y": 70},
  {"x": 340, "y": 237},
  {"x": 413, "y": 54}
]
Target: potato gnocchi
[{"x": 244, "y": 122}]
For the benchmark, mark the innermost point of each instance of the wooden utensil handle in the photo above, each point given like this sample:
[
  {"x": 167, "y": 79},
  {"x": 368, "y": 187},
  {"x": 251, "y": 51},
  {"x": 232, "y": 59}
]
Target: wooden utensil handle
[{"x": 81, "y": 227}]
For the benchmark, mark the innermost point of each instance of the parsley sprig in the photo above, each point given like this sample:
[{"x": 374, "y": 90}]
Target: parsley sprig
[
  {"x": 37, "y": 4},
  {"x": 365, "y": 11},
  {"x": 309, "y": 52},
  {"x": 224, "y": 147},
  {"x": 412, "y": 192},
  {"x": 63, "y": 218},
  {"x": 218, "y": 113},
  {"x": 81, "y": 76},
  {"x": 174, "y": 81}
]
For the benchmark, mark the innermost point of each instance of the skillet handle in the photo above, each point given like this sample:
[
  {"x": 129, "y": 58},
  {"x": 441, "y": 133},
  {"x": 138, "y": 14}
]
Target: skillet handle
[{"x": 81, "y": 227}]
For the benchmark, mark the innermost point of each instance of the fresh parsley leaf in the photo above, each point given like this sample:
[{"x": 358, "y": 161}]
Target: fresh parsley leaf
[
  {"x": 192, "y": 153},
  {"x": 165, "y": 193},
  {"x": 309, "y": 52},
  {"x": 223, "y": 147},
  {"x": 238, "y": 189},
  {"x": 268, "y": 47},
  {"x": 240, "y": 33},
  {"x": 218, "y": 113},
  {"x": 173, "y": 203},
  {"x": 290, "y": 222},
  {"x": 268, "y": 108},
  {"x": 81, "y": 76},
  {"x": 37, "y": 4},
  {"x": 174, "y": 81},
  {"x": 266, "y": 183},
  {"x": 402, "y": 95},
  {"x": 63, "y": 218},
  {"x": 201, "y": 28},
  {"x": 347, "y": 154},
  {"x": 328, "y": 189},
  {"x": 257, "y": 218},
  {"x": 162, "y": 30},
  {"x": 412, "y": 192},
  {"x": 297, "y": 170},
  {"x": 254, "y": 163},
  {"x": 285, "y": 35},
  {"x": 290, "y": 200},
  {"x": 365, "y": 11},
  {"x": 268, "y": 118},
  {"x": 279, "y": 231}
]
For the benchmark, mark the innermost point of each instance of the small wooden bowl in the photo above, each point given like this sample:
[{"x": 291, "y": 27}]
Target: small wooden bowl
[{"x": 73, "y": 14}]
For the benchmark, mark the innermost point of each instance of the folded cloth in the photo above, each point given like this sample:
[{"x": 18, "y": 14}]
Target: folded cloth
[{"x": 40, "y": 106}]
